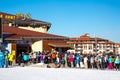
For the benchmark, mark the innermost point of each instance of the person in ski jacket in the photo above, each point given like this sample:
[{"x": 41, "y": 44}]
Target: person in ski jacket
[
  {"x": 25, "y": 58},
  {"x": 71, "y": 59},
  {"x": 117, "y": 62},
  {"x": 11, "y": 58},
  {"x": 110, "y": 63},
  {"x": 1, "y": 60},
  {"x": 77, "y": 60},
  {"x": 65, "y": 59}
]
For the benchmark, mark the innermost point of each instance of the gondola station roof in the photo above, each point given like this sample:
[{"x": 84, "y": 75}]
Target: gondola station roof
[{"x": 19, "y": 34}]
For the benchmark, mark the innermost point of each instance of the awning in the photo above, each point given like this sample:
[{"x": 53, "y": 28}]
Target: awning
[
  {"x": 24, "y": 45},
  {"x": 61, "y": 45}
]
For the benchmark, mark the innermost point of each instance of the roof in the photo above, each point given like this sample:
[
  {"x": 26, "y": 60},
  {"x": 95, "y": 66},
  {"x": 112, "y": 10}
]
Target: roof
[
  {"x": 6, "y": 14},
  {"x": 86, "y": 37},
  {"x": 36, "y": 23},
  {"x": 42, "y": 22},
  {"x": 30, "y": 22},
  {"x": 18, "y": 33}
]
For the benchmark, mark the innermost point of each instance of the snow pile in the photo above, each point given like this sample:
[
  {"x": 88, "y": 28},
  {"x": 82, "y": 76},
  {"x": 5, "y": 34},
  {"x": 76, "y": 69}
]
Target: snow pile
[{"x": 36, "y": 73}]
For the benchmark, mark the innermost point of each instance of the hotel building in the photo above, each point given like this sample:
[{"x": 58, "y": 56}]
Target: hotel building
[{"x": 91, "y": 45}]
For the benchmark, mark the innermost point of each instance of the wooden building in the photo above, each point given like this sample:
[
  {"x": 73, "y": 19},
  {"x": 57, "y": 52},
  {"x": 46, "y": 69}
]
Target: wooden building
[{"x": 31, "y": 35}]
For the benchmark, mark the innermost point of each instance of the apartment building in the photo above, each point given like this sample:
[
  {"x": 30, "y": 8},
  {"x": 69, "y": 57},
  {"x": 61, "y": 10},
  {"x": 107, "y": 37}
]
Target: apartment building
[{"x": 91, "y": 45}]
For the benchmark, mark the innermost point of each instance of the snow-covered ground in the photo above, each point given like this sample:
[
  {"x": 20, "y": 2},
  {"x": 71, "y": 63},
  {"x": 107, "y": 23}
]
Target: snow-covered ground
[{"x": 36, "y": 73}]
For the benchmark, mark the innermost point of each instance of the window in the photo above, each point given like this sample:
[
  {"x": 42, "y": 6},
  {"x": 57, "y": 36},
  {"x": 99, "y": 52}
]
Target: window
[
  {"x": 90, "y": 47},
  {"x": 1, "y": 16},
  {"x": 104, "y": 46},
  {"x": 11, "y": 17},
  {"x": 85, "y": 46},
  {"x": 6, "y": 16},
  {"x": 14, "y": 17},
  {"x": 111, "y": 46},
  {"x": 76, "y": 45},
  {"x": 100, "y": 46}
]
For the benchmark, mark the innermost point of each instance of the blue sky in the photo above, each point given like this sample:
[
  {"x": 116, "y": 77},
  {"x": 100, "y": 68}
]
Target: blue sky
[{"x": 72, "y": 18}]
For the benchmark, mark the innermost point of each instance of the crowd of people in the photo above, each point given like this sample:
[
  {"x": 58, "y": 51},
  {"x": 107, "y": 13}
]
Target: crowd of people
[
  {"x": 66, "y": 59},
  {"x": 74, "y": 60}
]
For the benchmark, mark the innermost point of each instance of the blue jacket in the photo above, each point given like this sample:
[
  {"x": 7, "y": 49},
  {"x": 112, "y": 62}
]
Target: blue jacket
[
  {"x": 77, "y": 59},
  {"x": 1, "y": 56},
  {"x": 110, "y": 60},
  {"x": 117, "y": 61},
  {"x": 25, "y": 57}
]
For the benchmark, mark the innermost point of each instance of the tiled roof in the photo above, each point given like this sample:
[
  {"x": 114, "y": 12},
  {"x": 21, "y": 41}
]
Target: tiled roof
[
  {"x": 22, "y": 33},
  {"x": 86, "y": 37}
]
